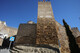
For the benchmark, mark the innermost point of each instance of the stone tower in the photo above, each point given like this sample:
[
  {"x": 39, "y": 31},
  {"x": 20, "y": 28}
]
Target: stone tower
[
  {"x": 50, "y": 31},
  {"x": 46, "y": 24}
]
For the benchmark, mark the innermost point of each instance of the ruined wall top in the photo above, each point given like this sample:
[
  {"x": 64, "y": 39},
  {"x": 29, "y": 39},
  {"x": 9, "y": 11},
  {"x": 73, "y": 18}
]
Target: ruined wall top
[
  {"x": 75, "y": 31},
  {"x": 30, "y": 22},
  {"x": 2, "y": 23}
]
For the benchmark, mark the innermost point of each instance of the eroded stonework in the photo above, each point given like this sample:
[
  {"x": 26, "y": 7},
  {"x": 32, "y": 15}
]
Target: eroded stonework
[
  {"x": 6, "y": 31},
  {"x": 78, "y": 41},
  {"x": 75, "y": 32},
  {"x": 62, "y": 36},
  {"x": 26, "y": 34},
  {"x": 48, "y": 30},
  {"x": 46, "y": 27},
  {"x": 33, "y": 49}
]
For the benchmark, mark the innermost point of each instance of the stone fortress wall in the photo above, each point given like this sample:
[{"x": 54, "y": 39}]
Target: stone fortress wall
[
  {"x": 46, "y": 26},
  {"x": 47, "y": 31},
  {"x": 7, "y": 30},
  {"x": 75, "y": 31},
  {"x": 76, "y": 34},
  {"x": 4, "y": 29},
  {"x": 26, "y": 34}
]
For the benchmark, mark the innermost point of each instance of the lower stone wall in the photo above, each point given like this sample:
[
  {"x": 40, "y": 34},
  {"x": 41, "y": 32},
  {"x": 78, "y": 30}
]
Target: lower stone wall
[{"x": 34, "y": 49}]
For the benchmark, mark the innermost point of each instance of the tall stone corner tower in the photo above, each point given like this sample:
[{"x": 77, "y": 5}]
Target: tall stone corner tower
[
  {"x": 48, "y": 30},
  {"x": 46, "y": 27}
]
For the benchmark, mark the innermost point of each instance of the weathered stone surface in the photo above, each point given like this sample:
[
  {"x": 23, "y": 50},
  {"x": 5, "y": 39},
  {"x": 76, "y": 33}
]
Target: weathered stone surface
[
  {"x": 72, "y": 42},
  {"x": 48, "y": 30},
  {"x": 7, "y": 30},
  {"x": 34, "y": 49},
  {"x": 46, "y": 27},
  {"x": 75, "y": 32},
  {"x": 26, "y": 34},
  {"x": 78, "y": 41},
  {"x": 4, "y": 29},
  {"x": 11, "y": 31},
  {"x": 62, "y": 36}
]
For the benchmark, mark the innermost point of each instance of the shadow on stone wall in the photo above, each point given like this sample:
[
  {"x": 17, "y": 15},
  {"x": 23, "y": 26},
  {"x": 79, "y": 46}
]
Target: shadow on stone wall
[
  {"x": 45, "y": 46},
  {"x": 72, "y": 42},
  {"x": 6, "y": 43}
]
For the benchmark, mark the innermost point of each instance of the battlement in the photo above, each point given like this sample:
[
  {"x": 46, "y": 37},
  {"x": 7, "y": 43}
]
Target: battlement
[
  {"x": 75, "y": 31},
  {"x": 45, "y": 10}
]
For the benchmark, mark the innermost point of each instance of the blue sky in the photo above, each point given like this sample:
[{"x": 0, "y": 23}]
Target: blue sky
[{"x": 15, "y": 12}]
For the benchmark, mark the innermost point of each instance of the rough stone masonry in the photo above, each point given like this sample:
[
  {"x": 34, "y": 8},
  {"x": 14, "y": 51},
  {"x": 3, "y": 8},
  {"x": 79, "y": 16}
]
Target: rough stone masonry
[
  {"x": 48, "y": 30},
  {"x": 26, "y": 34},
  {"x": 4, "y": 29},
  {"x": 46, "y": 26}
]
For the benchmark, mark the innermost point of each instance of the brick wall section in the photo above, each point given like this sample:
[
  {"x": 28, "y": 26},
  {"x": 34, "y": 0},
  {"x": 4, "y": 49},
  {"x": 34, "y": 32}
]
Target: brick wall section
[{"x": 26, "y": 34}]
